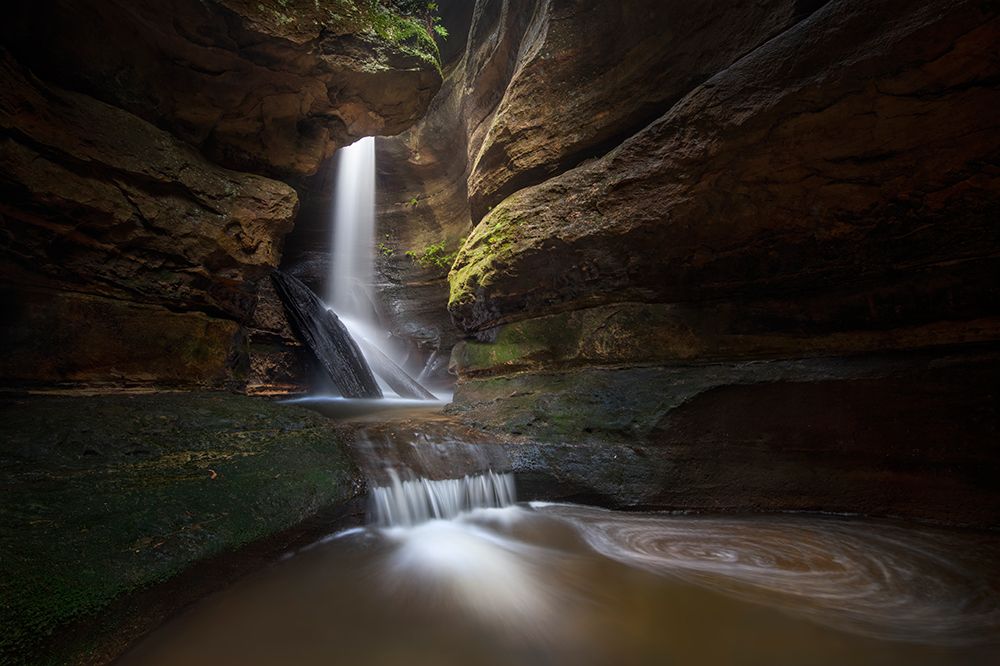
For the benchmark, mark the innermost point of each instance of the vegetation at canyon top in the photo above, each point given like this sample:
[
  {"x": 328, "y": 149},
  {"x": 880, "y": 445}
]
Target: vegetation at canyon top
[
  {"x": 407, "y": 24},
  {"x": 411, "y": 25}
]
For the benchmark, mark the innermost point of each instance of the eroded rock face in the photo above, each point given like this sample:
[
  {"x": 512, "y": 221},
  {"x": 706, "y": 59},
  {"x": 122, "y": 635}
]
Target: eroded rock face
[
  {"x": 590, "y": 74},
  {"x": 97, "y": 200},
  {"x": 65, "y": 340},
  {"x": 801, "y": 241},
  {"x": 540, "y": 88},
  {"x": 810, "y": 160},
  {"x": 270, "y": 87},
  {"x": 423, "y": 199},
  {"x": 120, "y": 125}
]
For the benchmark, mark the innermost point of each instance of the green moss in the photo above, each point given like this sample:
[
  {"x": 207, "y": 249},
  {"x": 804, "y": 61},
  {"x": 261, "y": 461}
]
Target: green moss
[
  {"x": 490, "y": 242},
  {"x": 409, "y": 28},
  {"x": 577, "y": 405},
  {"x": 521, "y": 343},
  {"x": 408, "y": 33},
  {"x": 104, "y": 496}
]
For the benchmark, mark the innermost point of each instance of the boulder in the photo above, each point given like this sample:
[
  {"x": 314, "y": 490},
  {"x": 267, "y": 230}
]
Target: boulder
[{"x": 327, "y": 338}]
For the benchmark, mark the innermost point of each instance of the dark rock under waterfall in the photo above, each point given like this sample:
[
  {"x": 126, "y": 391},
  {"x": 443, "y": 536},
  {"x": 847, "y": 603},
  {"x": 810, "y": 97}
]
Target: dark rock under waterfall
[
  {"x": 339, "y": 353},
  {"x": 327, "y": 338}
]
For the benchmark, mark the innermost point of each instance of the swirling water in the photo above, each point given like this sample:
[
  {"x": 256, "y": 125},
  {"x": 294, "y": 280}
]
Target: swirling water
[{"x": 568, "y": 584}]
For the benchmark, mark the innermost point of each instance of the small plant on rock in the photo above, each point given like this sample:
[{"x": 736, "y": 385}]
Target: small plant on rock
[{"x": 433, "y": 256}]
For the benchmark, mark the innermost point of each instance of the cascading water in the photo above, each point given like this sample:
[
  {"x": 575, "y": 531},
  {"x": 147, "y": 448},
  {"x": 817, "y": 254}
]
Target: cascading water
[
  {"x": 410, "y": 502},
  {"x": 453, "y": 571}
]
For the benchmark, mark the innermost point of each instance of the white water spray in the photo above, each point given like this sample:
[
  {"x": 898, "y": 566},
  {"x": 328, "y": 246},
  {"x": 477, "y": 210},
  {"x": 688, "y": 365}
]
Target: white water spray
[{"x": 441, "y": 536}]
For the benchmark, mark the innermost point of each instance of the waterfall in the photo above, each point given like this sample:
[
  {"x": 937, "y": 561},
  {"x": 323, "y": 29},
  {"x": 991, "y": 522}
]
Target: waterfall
[
  {"x": 349, "y": 285},
  {"x": 410, "y": 502}
]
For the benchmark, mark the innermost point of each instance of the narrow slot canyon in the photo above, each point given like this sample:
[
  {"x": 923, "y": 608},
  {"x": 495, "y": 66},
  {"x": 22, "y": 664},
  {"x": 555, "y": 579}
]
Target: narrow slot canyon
[{"x": 500, "y": 332}]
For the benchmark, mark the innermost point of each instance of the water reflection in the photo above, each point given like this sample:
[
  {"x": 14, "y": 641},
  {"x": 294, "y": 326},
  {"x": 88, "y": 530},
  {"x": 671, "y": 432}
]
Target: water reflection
[{"x": 563, "y": 584}]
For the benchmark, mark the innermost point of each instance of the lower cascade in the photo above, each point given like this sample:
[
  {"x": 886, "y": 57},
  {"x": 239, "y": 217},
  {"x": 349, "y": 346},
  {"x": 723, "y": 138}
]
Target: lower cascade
[{"x": 413, "y": 501}]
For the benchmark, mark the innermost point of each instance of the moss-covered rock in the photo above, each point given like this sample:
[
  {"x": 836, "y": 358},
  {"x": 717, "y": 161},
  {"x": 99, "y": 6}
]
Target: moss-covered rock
[
  {"x": 105, "y": 496},
  {"x": 907, "y": 434},
  {"x": 653, "y": 333},
  {"x": 481, "y": 258}
]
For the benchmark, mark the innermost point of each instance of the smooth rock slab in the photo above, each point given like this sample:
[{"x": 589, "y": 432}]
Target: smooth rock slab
[
  {"x": 105, "y": 496},
  {"x": 328, "y": 339},
  {"x": 892, "y": 435}
]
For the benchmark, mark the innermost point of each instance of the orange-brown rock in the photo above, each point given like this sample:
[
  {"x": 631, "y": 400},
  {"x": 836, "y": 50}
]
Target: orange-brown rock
[
  {"x": 857, "y": 147},
  {"x": 266, "y": 86},
  {"x": 589, "y": 74},
  {"x": 778, "y": 294},
  {"x": 66, "y": 340},
  {"x": 119, "y": 125},
  {"x": 540, "y": 87},
  {"x": 97, "y": 200}
]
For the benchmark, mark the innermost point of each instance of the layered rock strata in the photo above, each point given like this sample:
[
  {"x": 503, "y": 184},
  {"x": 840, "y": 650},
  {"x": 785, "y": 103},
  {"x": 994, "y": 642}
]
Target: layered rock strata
[
  {"x": 132, "y": 254},
  {"x": 780, "y": 254}
]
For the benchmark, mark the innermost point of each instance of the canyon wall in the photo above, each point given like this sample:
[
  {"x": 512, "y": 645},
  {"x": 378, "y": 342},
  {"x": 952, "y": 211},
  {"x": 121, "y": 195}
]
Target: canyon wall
[
  {"x": 151, "y": 157},
  {"x": 147, "y": 162},
  {"x": 729, "y": 223}
]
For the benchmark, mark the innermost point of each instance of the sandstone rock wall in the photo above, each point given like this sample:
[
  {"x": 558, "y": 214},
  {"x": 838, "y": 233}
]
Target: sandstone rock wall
[
  {"x": 823, "y": 181},
  {"x": 270, "y": 87},
  {"x": 131, "y": 252},
  {"x": 856, "y": 147},
  {"x": 744, "y": 205},
  {"x": 541, "y": 88}
]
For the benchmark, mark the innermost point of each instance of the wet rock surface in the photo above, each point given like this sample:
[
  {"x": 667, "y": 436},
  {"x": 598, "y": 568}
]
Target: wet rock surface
[
  {"x": 819, "y": 203},
  {"x": 741, "y": 260},
  {"x": 107, "y": 496},
  {"x": 906, "y": 434},
  {"x": 327, "y": 338},
  {"x": 96, "y": 199}
]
